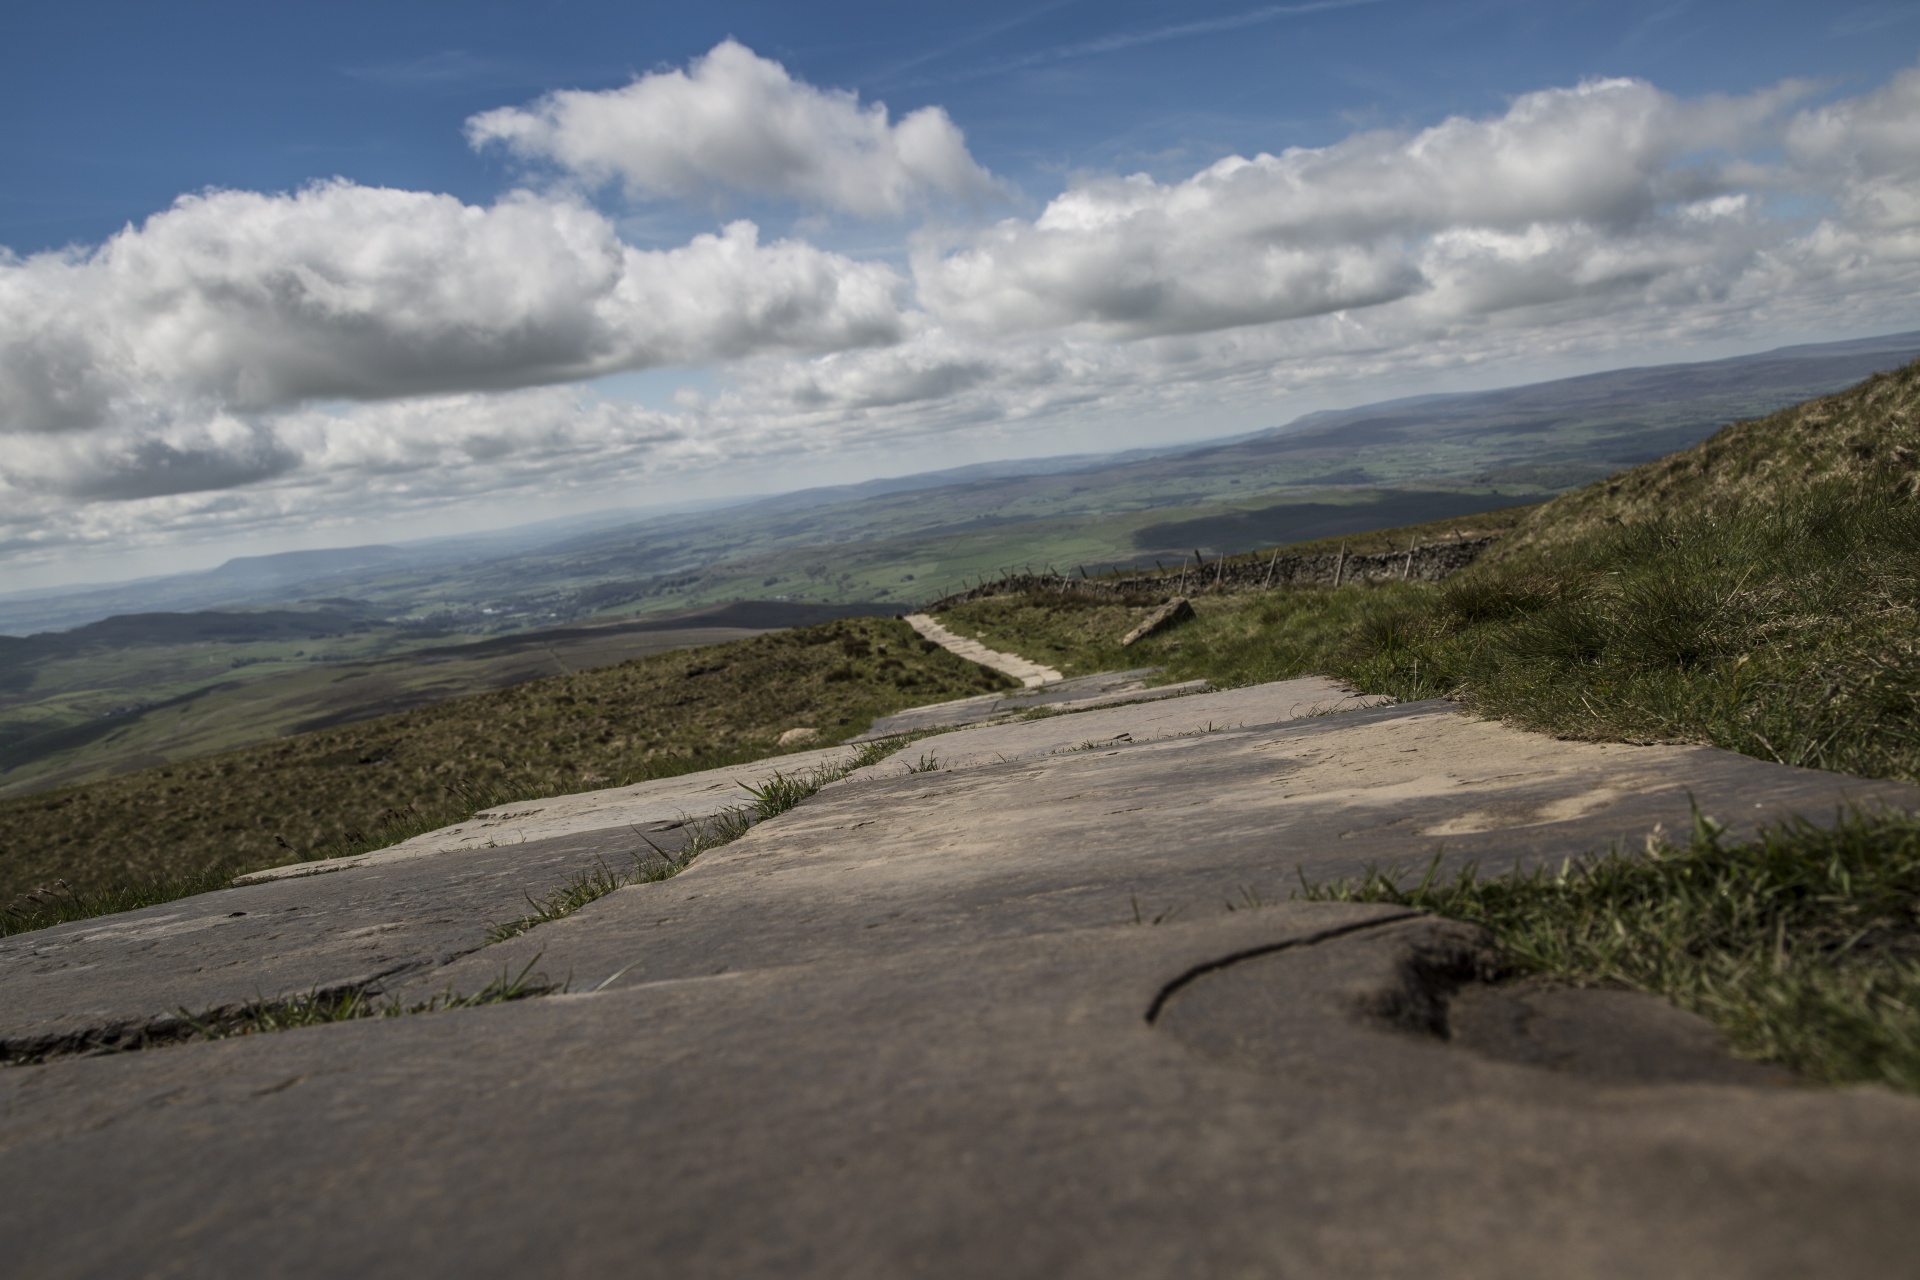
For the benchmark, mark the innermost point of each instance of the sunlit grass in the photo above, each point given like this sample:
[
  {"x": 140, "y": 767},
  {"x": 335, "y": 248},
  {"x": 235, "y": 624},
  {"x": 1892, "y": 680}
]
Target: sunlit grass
[{"x": 1802, "y": 945}]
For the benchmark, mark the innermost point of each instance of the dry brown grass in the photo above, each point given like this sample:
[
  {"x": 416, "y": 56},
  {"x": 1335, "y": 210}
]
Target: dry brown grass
[
  {"x": 1865, "y": 439},
  {"x": 360, "y": 785}
]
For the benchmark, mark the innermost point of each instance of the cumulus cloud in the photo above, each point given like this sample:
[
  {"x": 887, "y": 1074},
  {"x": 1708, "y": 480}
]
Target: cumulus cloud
[
  {"x": 737, "y": 122},
  {"x": 1569, "y": 191},
  {"x": 117, "y": 465},
  {"x": 1870, "y": 148},
  {"x": 243, "y": 361},
  {"x": 235, "y": 301}
]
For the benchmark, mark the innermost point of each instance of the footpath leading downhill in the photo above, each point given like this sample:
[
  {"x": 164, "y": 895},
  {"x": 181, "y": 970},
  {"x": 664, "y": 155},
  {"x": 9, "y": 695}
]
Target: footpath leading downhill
[{"x": 1025, "y": 998}]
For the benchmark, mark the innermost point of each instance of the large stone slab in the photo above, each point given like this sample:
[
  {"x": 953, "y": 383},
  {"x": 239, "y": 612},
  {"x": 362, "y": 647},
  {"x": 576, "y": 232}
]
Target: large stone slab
[
  {"x": 1081, "y": 693},
  {"x": 1202, "y": 822},
  {"x": 1119, "y": 717},
  {"x": 118, "y": 979},
  {"x": 1038, "y": 1012},
  {"x": 361, "y": 921},
  {"x": 644, "y": 805}
]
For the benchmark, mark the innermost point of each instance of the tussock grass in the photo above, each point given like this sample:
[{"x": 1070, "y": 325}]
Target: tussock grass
[
  {"x": 58, "y": 903},
  {"x": 1233, "y": 640},
  {"x": 1863, "y": 440},
  {"x": 1790, "y": 632},
  {"x": 1803, "y": 945}
]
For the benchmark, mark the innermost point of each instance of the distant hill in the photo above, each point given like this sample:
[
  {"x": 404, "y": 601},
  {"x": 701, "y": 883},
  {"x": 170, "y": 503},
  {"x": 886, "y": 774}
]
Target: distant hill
[
  {"x": 128, "y": 631},
  {"x": 1295, "y": 522},
  {"x": 903, "y": 540},
  {"x": 305, "y": 568}
]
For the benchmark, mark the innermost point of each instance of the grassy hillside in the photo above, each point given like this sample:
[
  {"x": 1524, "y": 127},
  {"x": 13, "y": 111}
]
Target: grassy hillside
[
  {"x": 1760, "y": 592},
  {"x": 134, "y": 693},
  {"x": 1865, "y": 440},
  {"x": 364, "y": 784}
]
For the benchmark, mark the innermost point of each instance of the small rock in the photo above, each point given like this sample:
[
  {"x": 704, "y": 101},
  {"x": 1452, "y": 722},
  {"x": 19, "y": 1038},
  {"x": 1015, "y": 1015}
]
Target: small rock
[
  {"x": 794, "y": 737},
  {"x": 1171, "y": 613}
]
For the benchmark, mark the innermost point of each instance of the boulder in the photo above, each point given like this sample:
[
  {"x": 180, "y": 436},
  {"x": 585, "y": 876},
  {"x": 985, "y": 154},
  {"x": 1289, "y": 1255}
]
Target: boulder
[{"x": 1171, "y": 614}]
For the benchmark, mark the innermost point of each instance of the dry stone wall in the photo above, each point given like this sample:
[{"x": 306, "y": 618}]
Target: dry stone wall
[{"x": 1427, "y": 563}]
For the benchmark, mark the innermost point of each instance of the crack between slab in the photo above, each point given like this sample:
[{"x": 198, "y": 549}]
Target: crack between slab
[
  {"x": 136, "y": 1034},
  {"x": 1168, "y": 991}
]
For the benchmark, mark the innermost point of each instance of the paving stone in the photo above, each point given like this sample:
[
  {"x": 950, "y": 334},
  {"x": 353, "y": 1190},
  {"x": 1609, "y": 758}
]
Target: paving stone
[
  {"x": 365, "y": 920},
  {"x": 1079, "y": 694},
  {"x": 1027, "y": 672},
  {"x": 926, "y": 1023},
  {"x": 115, "y": 979},
  {"x": 665, "y": 801}
]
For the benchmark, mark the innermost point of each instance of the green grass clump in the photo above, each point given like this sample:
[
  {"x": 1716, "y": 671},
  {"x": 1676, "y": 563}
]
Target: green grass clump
[
  {"x": 369, "y": 784},
  {"x": 1790, "y": 632},
  {"x": 651, "y": 867},
  {"x": 1802, "y": 945},
  {"x": 58, "y": 903},
  {"x": 1235, "y": 639},
  {"x": 320, "y": 1009}
]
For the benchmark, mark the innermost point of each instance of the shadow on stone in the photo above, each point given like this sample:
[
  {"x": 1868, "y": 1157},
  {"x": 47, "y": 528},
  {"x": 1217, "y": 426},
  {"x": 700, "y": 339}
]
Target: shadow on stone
[
  {"x": 1613, "y": 1037},
  {"x": 1356, "y": 1004}
]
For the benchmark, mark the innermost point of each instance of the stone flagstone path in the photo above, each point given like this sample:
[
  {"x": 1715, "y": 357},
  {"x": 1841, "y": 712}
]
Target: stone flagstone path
[{"x": 1026, "y": 999}]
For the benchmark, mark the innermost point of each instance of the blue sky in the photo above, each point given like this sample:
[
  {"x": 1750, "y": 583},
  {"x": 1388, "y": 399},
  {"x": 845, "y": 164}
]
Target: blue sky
[{"x": 409, "y": 290}]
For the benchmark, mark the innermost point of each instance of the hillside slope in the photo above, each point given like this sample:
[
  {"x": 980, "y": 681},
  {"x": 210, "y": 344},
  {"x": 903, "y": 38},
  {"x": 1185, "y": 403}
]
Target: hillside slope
[
  {"x": 1865, "y": 439},
  {"x": 367, "y": 783}
]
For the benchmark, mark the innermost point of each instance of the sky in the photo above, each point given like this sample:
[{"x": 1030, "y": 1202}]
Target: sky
[{"x": 279, "y": 276}]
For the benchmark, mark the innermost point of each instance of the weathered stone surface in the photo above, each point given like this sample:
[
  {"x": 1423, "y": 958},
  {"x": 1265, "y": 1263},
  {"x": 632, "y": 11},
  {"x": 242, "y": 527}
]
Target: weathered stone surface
[
  {"x": 1621, "y": 1037},
  {"x": 1079, "y": 694},
  {"x": 116, "y": 978},
  {"x": 668, "y": 801},
  {"x": 925, "y": 1023},
  {"x": 1170, "y": 614},
  {"x": 1027, "y": 672},
  {"x": 345, "y": 922}
]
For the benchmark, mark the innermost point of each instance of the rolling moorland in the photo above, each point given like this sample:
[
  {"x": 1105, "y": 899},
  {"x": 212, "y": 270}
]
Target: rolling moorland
[
  {"x": 318, "y": 638},
  {"x": 215, "y": 681},
  {"x": 1758, "y": 591}
]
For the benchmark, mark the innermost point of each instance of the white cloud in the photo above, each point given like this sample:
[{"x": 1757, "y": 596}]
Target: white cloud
[
  {"x": 1869, "y": 147},
  {"x": 246, "y": 363},
  {"x": 737, "y": 122},
  {"x": 1570, "y": 191},
  {"x": 221, "y": 452},
  {"x": 235, "y": 301}
]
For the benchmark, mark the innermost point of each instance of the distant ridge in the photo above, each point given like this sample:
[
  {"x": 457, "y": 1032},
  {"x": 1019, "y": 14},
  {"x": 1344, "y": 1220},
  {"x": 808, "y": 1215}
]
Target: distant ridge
[
  {"x": 1539, "y": 438},
  {"x": 286, "y": 567}
]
